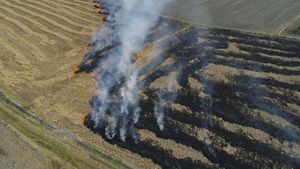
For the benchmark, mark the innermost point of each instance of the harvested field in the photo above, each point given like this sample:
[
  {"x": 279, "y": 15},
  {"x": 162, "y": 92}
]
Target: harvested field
[
  {"x": 15, "y": 153},
  {"x": 270, "y": 16},
  {"x": 237, "y": 103},
  {"x": 29, "y": 142}
]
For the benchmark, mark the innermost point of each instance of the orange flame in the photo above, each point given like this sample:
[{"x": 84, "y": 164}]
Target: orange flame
[
  {"x": 83, "y": 118},
  {"x": 136, "y": 56},
  {"x": 98, "y": 10},
  {"x": 75, "y": 69}
]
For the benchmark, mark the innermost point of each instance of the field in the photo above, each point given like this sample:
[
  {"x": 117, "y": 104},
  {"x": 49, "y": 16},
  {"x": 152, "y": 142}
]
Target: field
[
  {"x": 269, "y": 16},
  {"x": 27, "y": 142},
  {"x": 237, "y": 105}
]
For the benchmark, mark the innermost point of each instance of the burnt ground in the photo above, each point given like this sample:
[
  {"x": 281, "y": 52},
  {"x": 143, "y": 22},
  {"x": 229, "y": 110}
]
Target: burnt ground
[
  {"x": 238, "y": 95},
  {"x": 237, "y": 103}
]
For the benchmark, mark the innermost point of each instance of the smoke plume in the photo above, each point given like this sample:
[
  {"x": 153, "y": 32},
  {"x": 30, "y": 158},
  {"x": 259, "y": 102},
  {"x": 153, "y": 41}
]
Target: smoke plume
[
  {"x": 116, "y": 104},
  {"x": 165, "y": 96}
]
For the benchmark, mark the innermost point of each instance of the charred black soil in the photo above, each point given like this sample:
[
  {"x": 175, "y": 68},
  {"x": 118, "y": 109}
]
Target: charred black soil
[{"x": 247, "y": 99}]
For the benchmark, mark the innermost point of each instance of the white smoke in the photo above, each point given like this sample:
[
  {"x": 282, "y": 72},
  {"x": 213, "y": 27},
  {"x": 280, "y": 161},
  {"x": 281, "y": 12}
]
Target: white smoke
[
  {"x": 165, "y": 96},
  {"x": 117, "y": 105}
]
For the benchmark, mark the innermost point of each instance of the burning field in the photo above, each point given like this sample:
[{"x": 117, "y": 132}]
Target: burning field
[
  {"x": 163, "y": 93},
  {"x": 187, "y": 90}
]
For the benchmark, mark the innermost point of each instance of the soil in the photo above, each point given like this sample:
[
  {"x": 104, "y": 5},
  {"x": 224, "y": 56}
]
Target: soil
[
  {"x": 16, "y": 153},
  {"x": 238, "y": 94}
]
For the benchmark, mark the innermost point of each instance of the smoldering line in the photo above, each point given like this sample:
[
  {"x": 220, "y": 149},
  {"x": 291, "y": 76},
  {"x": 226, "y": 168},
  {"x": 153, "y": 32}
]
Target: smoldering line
[{"x": 116, "y": 106}]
